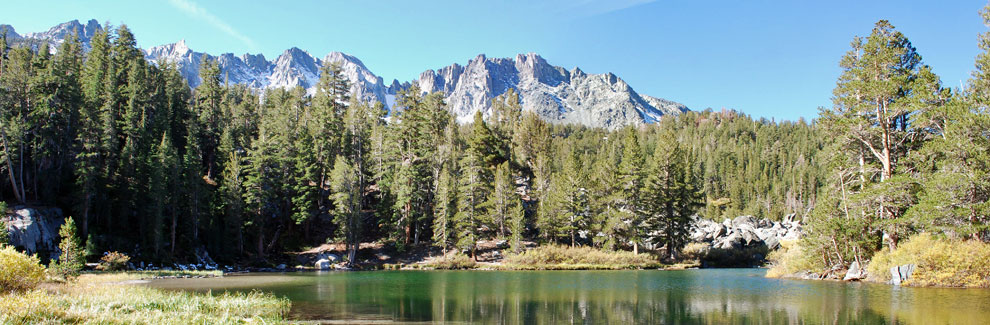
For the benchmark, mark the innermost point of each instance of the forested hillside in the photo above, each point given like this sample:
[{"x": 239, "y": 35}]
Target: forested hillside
[{"x": 147, "y": 166}]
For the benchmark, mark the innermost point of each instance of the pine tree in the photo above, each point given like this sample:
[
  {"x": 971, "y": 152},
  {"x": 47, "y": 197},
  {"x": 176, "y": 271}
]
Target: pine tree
[
  {"x": 503, "y": 199},
  {"x": 473, "y": 190},
  {"x": 609, "y": 223},
  {"x": 955, "y": 164},
  {"x": 162, "y": 164},
  {"x": 72, "y": 256},
  {"x": 872, "y": 119},
  {"x": 630, "y": 178},
  {"x": 445, "y": 208},
  {"x": 671, "y": 196},
  {"x": 347, "y": 199}
]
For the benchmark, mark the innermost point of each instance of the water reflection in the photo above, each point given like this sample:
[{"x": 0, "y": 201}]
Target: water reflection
[{"x": 592, "y": 297}]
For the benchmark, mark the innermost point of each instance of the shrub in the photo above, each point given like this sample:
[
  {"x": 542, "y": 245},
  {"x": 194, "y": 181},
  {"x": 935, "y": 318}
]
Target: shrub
[
  {"x": 113, "y": 261},
  {"x": 452, "y": 261},
  {"x": 694, "y": 251},
  {"x": 564, "y": 257},
  {"x": 789, "y": 259},
  {"x": 735, "y": 257},
  {"x": 938, "y": 262},
  {"x": 19, "y": 272},
  {"x": 4, "y": 234}
]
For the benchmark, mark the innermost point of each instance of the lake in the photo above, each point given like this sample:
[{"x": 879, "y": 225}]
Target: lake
[{"x": 596, "y": 297}]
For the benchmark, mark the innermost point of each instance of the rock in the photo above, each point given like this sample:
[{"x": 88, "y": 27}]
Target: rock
[
  {"x": 855, "y": 273},
  {"x": 203, "y": 257},
  {"x": 720, "y": 230},
  {"x": 280, "y": 267},
  {"x": 899, "y": 274},
  {"x": 35, "y": 230},
  {"x": 749, "y": 237},
  {"x": 744, "y": 220},
  {"x": 322, "y": 264},
  {"x": 808, "y": 275},
  {"x": 772, "y": 242},
  {"x": 731, "y": 241},
  {"x": 791, "y": 235},
  {"x": 329, "y": 257}
]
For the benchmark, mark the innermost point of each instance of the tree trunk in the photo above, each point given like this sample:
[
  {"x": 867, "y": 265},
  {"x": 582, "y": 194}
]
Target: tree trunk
[
  {"x": 175, "y": 220},
  {"x": 10, "y": 166}
]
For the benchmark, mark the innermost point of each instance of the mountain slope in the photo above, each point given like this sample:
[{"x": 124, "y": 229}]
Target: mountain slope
[{"x": 554, "y": 93}]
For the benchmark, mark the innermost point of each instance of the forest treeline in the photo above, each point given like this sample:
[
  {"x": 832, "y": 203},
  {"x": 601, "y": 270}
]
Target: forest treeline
[{"x": 148, "y": 166}]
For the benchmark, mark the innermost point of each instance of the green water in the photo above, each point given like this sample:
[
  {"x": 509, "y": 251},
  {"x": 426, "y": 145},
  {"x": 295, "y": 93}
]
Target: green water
[{"x": 598, "y": 297}]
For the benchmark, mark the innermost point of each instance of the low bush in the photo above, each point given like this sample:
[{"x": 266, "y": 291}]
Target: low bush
[
  {"x": 19, "y": 272},
  {"x": 452, "y": 261},
  {"x": 565, "y": 257},
  {"x": 113, "y": 261},
  {"x": 790, "y": 259},
  {"x": 938, "y": 262},
  {"x": 694, "y": 251},
  {"x": 735, "y": 257}
]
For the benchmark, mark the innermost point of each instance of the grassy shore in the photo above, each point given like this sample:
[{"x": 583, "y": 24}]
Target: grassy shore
[
  {"x": 112, "y": 298},
  {"x": 577, "y": 258},
  {"x": 939, "y": 262}
]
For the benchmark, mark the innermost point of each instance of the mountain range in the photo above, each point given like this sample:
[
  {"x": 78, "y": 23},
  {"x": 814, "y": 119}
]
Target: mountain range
[{"x": 556, "y": 94}]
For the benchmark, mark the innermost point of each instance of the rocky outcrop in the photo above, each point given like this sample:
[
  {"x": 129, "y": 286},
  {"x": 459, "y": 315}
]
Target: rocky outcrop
[
  {"x": 899, "y": 274},
  {"x": 743, "y": 241},
  {"x": 855, "y": 272},
  {"x": 552, "y": 92},
  {"x": 34, "y": 229}
]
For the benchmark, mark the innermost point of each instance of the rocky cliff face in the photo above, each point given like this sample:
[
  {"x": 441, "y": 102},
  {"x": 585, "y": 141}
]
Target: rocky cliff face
[
  {"x": 554, "y": 93},
  {"x": 34, "y": 230}
]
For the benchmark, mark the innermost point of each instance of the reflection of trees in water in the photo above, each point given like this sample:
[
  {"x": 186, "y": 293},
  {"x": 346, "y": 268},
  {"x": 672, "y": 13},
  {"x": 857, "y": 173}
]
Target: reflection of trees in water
[{"x": 636, "y": 297}]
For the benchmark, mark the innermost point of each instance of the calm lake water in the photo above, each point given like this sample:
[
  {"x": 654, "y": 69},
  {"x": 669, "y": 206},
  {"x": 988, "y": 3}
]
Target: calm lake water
[{"x": 597, "y": 297}]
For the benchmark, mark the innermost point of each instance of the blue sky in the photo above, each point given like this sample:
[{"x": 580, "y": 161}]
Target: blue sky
[{"x": 766, "y": 58}]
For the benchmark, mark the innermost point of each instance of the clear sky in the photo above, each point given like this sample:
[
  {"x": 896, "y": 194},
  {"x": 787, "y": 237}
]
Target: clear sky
[{"x": 766, "y": 58}]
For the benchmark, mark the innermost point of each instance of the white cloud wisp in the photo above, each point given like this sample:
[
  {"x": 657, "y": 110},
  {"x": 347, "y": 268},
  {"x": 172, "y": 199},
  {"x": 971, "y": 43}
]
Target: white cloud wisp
[{"x": 194, "y": 10}]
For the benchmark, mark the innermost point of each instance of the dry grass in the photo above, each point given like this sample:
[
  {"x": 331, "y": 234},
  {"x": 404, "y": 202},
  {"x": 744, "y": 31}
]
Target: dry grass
[
  {"x": 554, "y": 257},
  {"x": 790, "y": 259},
  {"x": 452, "y": 261},
  {"x": 103, "y": 299},
  {"x": 939, "y": 262}
]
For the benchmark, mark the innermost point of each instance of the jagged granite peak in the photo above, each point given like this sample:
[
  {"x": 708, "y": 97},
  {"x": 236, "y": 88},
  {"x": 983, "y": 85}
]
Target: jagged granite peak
[
  {"x": 557, "y": 95},
  {"x": 56, "y": 34},
  {"x": 295, "y": 67},
  {"x": 366, "y": 87},
  {"x": 10, "y": 32},
  {"x": 554, "y": 93},
  {"x": 179, "y": 56}
]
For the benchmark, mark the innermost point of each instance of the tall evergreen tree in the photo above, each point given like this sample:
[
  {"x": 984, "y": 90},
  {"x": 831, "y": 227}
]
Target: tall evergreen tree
[
  {"x": 347, "y": 199},
  {"x": 671, "y": 197}
]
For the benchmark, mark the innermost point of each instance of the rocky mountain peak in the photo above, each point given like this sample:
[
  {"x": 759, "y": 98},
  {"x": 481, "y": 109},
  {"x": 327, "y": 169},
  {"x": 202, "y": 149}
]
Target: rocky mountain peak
[{"x": 552, "y": 92}]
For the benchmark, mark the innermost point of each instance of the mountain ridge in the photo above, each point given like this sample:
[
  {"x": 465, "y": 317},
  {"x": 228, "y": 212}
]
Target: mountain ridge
[{"x": 556, "y": 94}]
